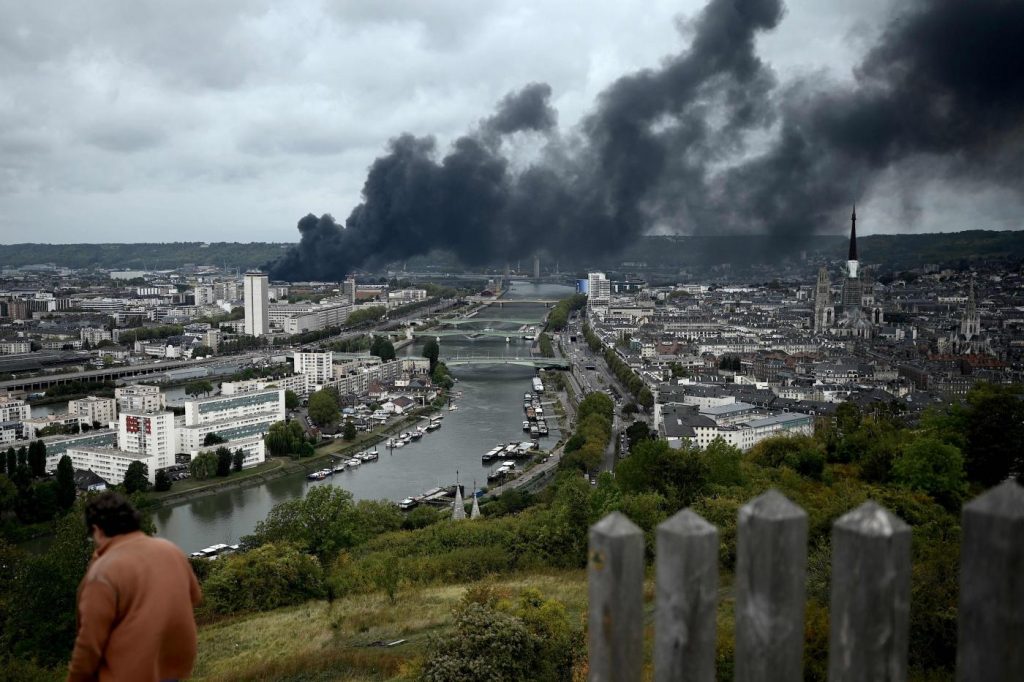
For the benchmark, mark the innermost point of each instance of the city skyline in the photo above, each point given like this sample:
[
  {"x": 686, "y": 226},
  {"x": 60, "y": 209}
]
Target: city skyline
[{"x": 135, "y": 124}]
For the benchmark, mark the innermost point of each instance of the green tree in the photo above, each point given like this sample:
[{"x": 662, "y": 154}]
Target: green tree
[
  {"x": 432, "y": 352},
  {"x": 12, "y": 462},
  {"x": 349, "y": 432},
  {"x": 163, "y": 481},
  {"x": 194, "y": 388},
  {"x": 645, "y": 398},
  {"x": 204, "y": 466},
  {"x": 223, "y": 461},
  {"x": 37, "y": 458},
  {"x": 995, "y": 431},
  {"x": 723, "y": 461},
  {"x": 136, "y": 478},
  {"x": 263, "y": 579},
  {"x": 285, "y": 438},
  {"x": 638, "y": 431},
  {"x": 202, "y": 352},
  {"x": 848, "y": 418},
  {"x": 213, "y": 438},
  {"x": 382, "y": 348},
  {"x": 23, "y": 456},
  {"x": 66, "y": 491},
  {"x": 44, "y": 587},
  {"x": 322, "y": 522},
  {"x": 291, "y": 399},
  {"x": 237, "y": 459},
  {"x": 323, "y": 408},
  {"x": 653, "y": 466},
  {"x": 8, "y": 494},
  {"x": 930, "y": 465}
]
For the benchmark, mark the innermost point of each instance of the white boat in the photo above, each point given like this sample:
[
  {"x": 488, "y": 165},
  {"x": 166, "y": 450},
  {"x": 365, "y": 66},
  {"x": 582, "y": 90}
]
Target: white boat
[
  {"x": 339, "y": 467},
  {"x": 452, "y": 408},
  {"x": 369, "y": 456},
  {"x": 354, "y": 462},
  {"x": 526, "y": 425},
  {"x": 407, "y": 503},
  {"x": 396, "y": 443},
  {"x": 491, "y": 454}
]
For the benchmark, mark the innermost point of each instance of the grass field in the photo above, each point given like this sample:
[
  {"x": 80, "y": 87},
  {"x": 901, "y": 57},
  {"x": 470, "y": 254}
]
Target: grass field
[{"x": 322, "y": 641}]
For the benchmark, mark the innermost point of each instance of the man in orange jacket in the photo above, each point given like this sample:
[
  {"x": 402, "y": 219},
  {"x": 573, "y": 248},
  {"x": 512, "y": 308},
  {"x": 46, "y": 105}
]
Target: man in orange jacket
[{"x": 135, "y": 620}]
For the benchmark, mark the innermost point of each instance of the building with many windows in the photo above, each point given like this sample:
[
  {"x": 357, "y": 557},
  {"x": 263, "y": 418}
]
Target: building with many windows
[
  {"x": 240, "y": 419},
  {"x": 148, "y": 433},
  {"x": 139, "y": 398},
  {"x": 257, "y": 300},
  {"x": 58, "y": 446},
  {"x": 319, "y": 367},
  {"x": 92, "y": 410}
]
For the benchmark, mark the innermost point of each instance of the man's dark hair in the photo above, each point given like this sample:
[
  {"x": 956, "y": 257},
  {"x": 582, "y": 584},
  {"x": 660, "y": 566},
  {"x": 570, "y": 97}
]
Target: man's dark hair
[{"x": 112, "y": 513}]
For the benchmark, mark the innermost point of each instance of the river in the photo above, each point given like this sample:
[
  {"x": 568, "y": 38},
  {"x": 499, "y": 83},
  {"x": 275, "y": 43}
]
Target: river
[{"x": 489, "y": 412}]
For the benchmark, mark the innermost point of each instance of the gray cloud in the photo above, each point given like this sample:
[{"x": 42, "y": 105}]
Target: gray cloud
[{"x": 271, "y": 109}]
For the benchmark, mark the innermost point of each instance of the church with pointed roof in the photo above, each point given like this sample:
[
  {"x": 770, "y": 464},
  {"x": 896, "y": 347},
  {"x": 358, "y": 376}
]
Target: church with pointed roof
[{"x": 855, "y": 315}]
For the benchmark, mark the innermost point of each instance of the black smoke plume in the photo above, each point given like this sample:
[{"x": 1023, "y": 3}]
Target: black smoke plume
[{"x": 940, "y": 96}]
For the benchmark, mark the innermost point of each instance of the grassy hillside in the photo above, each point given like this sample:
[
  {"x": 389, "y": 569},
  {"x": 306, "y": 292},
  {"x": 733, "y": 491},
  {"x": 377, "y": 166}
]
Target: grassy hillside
[{"x": 328, "y": 641}]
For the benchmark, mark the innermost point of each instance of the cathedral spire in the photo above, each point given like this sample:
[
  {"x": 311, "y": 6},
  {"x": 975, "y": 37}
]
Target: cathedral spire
[{"x": 853, "y": 235}]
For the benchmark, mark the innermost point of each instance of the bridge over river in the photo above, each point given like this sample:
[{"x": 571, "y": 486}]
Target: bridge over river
[{"x": 527, "y": 361}]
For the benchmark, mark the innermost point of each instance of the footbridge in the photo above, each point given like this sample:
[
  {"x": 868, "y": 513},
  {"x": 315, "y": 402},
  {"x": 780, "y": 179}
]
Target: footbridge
[{"x": 539, "y": 363}]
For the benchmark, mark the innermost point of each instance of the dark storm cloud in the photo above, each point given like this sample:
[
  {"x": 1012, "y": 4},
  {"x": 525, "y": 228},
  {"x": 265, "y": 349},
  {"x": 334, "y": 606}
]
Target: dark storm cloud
[
  {"x": 942, "y": 93},
  {"x": 527, "y": 109},
  {"x": 589, "y": 201}
]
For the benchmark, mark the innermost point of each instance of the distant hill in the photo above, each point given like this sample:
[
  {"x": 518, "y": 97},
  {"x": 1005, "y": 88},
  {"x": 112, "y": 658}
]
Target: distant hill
[
  {"x": 889, "y": 252},
  {"x": 142, "y": 256}
]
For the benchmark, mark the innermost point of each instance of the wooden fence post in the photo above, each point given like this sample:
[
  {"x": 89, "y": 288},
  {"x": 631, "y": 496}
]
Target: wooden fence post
[
  {"x": 771, "y": 584},
  {"x": 615, "y": 572},
  {"x": 991, "y": 628},
  {"x": 870, "y": 601},
  {"x": 686, "y": 599}
]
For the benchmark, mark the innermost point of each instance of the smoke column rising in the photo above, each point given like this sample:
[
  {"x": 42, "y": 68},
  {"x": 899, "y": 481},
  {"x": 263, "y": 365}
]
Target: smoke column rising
[{"x": 940, "y": 96}]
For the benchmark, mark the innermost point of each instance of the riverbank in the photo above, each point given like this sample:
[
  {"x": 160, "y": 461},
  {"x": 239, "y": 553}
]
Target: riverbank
[{"x": 279, "y": 467}]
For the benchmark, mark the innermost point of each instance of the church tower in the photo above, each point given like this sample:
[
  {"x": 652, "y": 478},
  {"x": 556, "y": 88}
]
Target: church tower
[
  {"x": 852, "y": 288},
  {"x": 824, "y": 313},
  {"x": 970, "y": 321}
]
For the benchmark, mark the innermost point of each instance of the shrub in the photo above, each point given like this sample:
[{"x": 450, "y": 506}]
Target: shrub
[{"x": 263, "y": 579}]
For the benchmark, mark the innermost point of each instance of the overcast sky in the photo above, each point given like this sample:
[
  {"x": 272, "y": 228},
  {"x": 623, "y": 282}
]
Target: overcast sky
[{"x": 228, "y": 120}]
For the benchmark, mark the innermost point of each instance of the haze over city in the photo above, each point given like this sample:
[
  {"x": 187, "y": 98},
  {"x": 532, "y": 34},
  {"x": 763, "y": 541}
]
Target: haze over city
[{"x": 133, "y": 122}]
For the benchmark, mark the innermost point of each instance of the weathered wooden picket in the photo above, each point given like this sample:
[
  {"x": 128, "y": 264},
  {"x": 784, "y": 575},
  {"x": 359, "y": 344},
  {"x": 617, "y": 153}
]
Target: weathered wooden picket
[{"x": 870, "y": 600}]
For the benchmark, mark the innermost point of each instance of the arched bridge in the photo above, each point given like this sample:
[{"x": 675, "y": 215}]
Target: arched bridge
[
  {"x": 468, "y": 333},
  {"x": 539, "y": 363},
  {"x": 454, "y": 321}
]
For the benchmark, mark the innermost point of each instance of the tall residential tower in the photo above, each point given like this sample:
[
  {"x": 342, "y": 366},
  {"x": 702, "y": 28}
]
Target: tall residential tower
[{"x": 257, "y": 304}]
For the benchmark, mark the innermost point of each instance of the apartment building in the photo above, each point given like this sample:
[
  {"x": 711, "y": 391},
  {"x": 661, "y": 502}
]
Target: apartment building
[
  {"x": 92, "y": 409},
  {"x": 139, "y": 398}
]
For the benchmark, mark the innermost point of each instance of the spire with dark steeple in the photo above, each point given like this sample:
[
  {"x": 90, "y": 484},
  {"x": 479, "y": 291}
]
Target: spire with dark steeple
[{"x": 853, "y": 235}]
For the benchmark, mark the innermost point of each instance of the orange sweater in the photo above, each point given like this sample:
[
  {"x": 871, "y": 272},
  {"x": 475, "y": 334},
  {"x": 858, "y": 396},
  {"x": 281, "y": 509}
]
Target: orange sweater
[{"x": 135, "y": 620}]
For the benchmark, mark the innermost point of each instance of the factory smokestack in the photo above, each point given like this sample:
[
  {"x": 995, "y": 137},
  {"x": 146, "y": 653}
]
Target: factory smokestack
[{"x": 666, "y": 148}]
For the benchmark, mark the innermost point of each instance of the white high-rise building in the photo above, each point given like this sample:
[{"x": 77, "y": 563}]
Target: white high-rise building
[
  {"x": 257, "y": 303},
  {"x": 599, "y": 290},
  {"x": 319, "y": 367},
  {"x": 148, "y": 433},
  {"x": 242, "y": 420}
]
